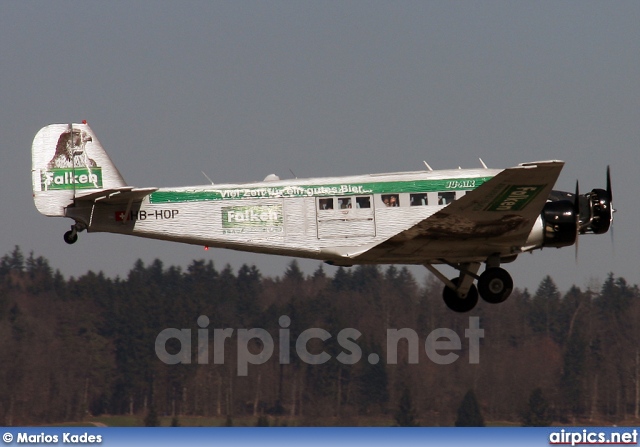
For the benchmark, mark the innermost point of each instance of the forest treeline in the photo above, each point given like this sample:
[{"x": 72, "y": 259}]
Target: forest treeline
[{"x": 77, "y": 347}]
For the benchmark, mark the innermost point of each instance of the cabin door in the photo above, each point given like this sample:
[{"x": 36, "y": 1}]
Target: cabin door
[{"x": 345, "y": 217}]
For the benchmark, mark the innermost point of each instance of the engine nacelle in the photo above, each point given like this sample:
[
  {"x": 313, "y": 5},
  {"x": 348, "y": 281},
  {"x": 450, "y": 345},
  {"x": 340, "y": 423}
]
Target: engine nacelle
[
  {"x": 560, "y": 224},
  {"x": 566, "y": 215}
]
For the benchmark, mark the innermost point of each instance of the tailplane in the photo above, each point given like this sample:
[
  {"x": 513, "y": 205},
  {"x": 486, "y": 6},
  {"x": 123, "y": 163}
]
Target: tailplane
[{"x": 67, "y": 160}]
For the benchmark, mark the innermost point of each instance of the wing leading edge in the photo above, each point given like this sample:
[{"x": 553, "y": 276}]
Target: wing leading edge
[{"x": 497, "y": 217}]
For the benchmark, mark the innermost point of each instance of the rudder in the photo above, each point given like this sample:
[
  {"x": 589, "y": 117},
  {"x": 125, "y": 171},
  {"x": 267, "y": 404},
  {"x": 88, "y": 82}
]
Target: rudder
[{"x": 67, "y": 159}]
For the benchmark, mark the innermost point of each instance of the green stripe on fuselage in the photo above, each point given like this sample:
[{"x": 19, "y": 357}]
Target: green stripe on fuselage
[{"x": 341, "y": 189}]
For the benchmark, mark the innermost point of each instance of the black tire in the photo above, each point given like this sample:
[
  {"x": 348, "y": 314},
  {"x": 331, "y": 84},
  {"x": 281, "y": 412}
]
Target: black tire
[
  {"x": 495, "y": 285},
  {"x": 70, "y": 237},
  {"x": 457, "y": 304}
]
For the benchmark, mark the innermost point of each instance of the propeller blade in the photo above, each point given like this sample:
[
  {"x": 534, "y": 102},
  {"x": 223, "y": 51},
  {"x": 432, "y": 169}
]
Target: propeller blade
[
  {"x": 576, "y": 201},
  {"x": 609, "y": 191},
  {"x": 576, "y": 213},
  {"x": 613, "y": 245},
  {"x": 610, "y": 197}
]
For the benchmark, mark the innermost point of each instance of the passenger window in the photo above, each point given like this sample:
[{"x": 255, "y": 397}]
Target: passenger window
[
  {"x": 344, "y": 203},
  {"x": 363, "y": 202},
  {"x": 445, "y": 198},
  {"x": 418, "y": 200},
  {"x": 391, "y": 200},
  {"x": 325, "y": 204}
]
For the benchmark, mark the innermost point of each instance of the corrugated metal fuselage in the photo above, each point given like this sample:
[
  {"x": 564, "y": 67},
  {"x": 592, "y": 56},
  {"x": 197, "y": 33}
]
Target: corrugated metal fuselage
[{"x": 330, "y": 219}]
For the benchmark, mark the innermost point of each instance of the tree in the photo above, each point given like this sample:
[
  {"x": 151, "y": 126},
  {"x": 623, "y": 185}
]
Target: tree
[
  {"x": 319, "y": 274},
  {"x": 151, "y": 419},
  {"x": 537, "y": 413},
  {"x": 469, "y": 414},
  {"x": 86, "y": 345},
  {"x": 615, "y": 298},
  {"x": 248, "y": 285},
  {"x": 573, "y": 373},
  {"x": 14, "y": 261},
  {"x": 543, "y": 315},
  {"x": 373, "y": 382},
  {"x": 293, "y": 273},
  {"x": 405, "y": 415},
  {"x": 262, "y": 421},
  {"x": 341, "y": 280}
]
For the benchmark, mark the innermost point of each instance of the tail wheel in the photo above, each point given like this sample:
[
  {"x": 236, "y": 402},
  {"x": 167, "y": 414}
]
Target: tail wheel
[
  {"x": 71, "y": 236},
  {"x": 495, "y": 285},
  {"x": 457, "y": 303}
]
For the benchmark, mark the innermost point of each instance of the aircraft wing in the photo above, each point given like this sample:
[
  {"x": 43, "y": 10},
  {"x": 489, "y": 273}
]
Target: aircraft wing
[
  {"x": 116, "y": 195},
  {"x": 494, "y": 217}
]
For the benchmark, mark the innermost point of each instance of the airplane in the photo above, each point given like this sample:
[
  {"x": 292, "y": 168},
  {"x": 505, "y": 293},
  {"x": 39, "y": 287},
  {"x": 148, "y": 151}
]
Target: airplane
[{"x": 460, "y": 217}]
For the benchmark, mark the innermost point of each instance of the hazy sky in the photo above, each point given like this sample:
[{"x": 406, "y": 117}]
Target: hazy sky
[{"x": 243, "y": 89}]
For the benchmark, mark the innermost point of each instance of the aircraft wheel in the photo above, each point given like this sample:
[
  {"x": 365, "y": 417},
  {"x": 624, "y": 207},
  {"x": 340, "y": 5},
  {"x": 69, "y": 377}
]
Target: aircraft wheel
[
  {"x": 70, "y": 237},
  {"x": 495, "y": 285},
  {"x": 457, "y": 304}
]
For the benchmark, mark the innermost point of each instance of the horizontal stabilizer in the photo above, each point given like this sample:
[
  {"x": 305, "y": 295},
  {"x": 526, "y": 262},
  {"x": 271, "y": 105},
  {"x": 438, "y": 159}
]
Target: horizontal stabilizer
[{"x": 117, "y": 195}]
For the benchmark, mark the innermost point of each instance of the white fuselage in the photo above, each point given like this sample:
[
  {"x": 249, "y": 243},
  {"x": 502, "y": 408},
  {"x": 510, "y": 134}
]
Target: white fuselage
[{"x": 321, "y": 218}]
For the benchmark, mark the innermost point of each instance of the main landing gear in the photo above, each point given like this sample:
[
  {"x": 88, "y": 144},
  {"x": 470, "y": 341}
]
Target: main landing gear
[
  {"x": 71, "y": 236},
  {"x": 461, "y": 295}
]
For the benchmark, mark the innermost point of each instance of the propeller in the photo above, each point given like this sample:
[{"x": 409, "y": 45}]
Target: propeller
[
  {"x": 608, "y": 200},
  {"x": 576, "y": 213},
  {"x": 610, "y": 197},
  {"x": 610, "y": 192},
  {"x": 601, "y": 208}
]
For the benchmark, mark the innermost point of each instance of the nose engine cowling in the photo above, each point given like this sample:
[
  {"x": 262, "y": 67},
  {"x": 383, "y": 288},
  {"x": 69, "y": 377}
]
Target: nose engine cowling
[
  {"x": 566, "y": 215},
  {"x": 599, "y": 213}
]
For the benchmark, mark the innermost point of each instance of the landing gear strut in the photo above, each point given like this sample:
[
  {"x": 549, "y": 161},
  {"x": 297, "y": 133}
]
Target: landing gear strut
[{"x": 461, "y": 295}]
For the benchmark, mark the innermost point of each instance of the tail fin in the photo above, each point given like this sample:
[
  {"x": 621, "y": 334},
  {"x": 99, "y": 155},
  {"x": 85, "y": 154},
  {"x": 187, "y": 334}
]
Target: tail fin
[{"x": 67, "y": 159}]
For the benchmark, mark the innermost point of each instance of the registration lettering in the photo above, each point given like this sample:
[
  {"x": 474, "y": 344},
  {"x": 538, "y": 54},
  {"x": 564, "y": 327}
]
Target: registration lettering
[{"x": 163, "y": 214}]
